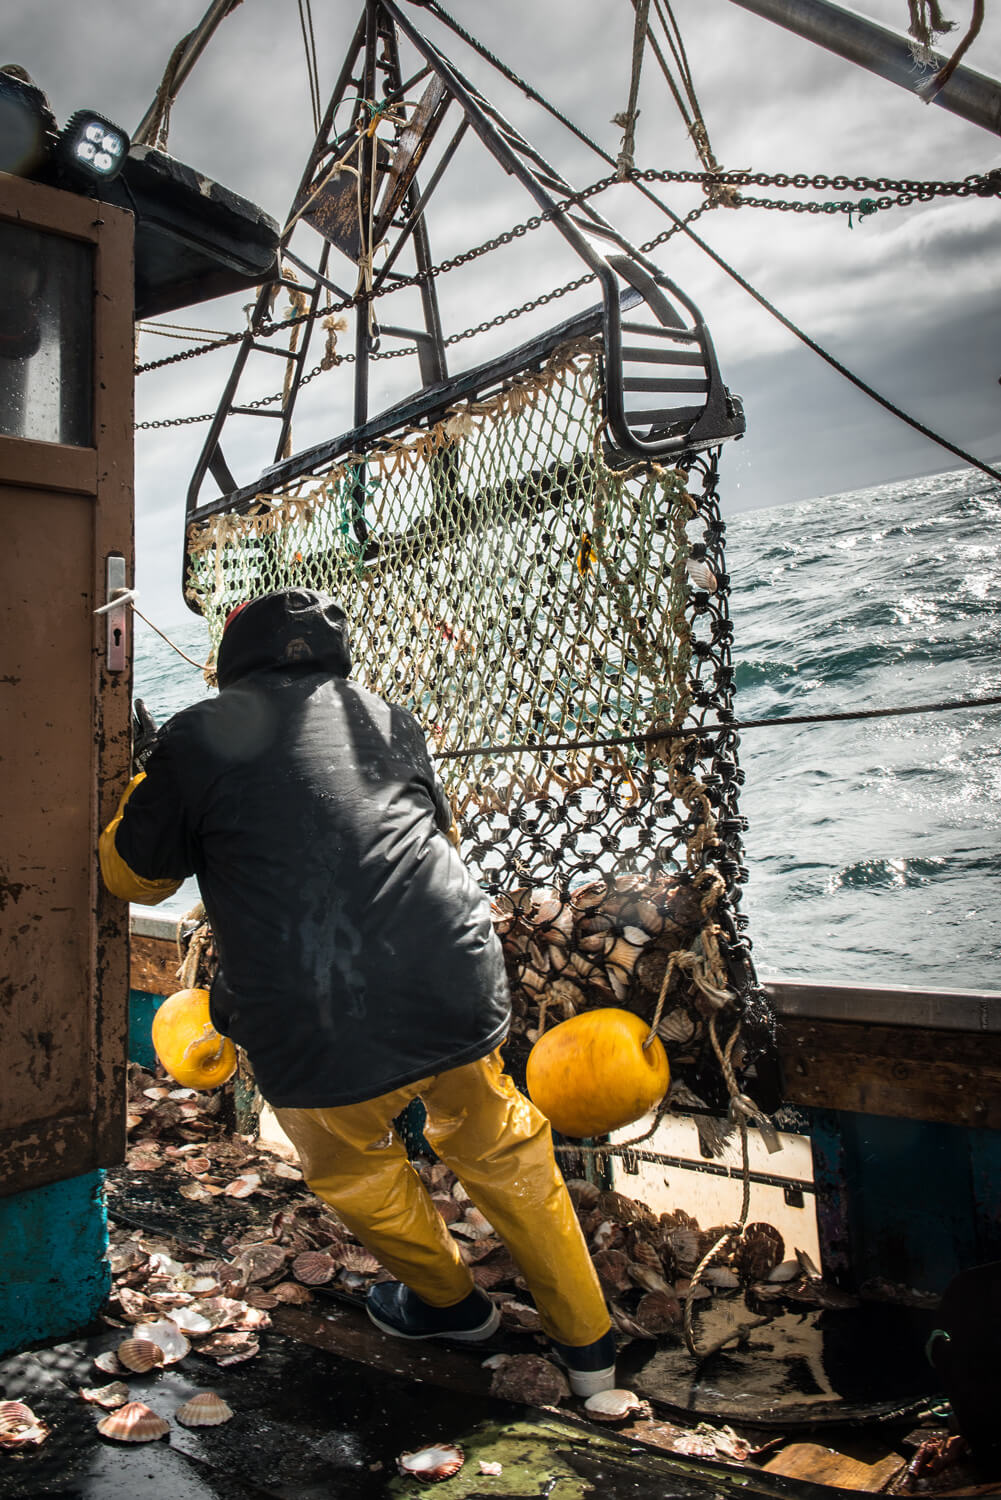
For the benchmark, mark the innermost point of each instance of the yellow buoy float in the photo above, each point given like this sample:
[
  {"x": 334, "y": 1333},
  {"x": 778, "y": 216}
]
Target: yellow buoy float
[
  {"x": 188, "y": 1045},
  {"x": 592, "y": 1074}
]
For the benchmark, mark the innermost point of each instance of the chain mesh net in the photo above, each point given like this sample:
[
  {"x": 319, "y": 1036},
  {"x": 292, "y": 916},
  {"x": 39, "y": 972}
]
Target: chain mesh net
[{"x": 518, "y": 591}]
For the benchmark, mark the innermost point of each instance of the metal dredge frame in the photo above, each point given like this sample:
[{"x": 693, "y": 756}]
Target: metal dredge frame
[
  {"x": 673, "y": 339},
  {"x": 690, "y": 769}
]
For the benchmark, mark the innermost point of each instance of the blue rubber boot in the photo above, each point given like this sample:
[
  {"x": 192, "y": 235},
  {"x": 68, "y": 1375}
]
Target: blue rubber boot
[{"x": 396, "y": 1310}]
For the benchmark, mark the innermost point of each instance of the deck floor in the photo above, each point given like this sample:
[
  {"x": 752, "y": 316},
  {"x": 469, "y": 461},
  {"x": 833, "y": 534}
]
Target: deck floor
[{"x": 312, "y": 1424}]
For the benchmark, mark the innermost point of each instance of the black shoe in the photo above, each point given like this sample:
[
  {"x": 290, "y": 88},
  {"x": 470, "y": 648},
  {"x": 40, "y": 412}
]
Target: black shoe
[
  {"x": 395, "y": 1309},
  {"x": 590, "y": 1367}
]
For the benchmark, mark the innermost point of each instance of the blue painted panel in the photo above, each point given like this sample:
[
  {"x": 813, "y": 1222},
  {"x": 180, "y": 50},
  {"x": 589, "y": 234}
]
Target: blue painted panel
[
  {"x": 54, "y": 1273},
  {"x": 905, "y": 1200},
  {"x": 143, "y": 1006}
]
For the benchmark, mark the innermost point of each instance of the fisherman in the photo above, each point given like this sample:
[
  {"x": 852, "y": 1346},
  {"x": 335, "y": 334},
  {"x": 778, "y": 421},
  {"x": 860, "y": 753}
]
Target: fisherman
[{"x": 358, "y": 968}]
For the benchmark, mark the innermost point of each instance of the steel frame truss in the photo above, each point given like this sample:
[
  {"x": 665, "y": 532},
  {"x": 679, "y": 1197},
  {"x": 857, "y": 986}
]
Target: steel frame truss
[{"x": 660, "y": 354}]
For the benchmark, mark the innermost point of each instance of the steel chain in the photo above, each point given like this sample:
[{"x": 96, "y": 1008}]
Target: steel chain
[
  {"x": 987, "y": 185},
  {"x": 453, "y": 338}
]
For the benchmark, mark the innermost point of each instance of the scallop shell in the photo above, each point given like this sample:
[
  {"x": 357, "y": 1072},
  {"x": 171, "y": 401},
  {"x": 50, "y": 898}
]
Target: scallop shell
[
  {"x": 612, "y": 1267},
  {"x": 19, "y": 1427},
  {"x": 607, "y": 1236},
  {"x": 230, "y": 1348},
  {"x": 109, "y": 1396},
  {"x": 627, "y": 1324},
  {"x": 759, "y": 1250},
  {"x": 720, "y": 1276},
  {"x": 676, "y": 1026},
  {"x": 618, "y": 979},
  {"x": 439, "y": 1461},
  {"x": 659, "y": 1312},
  {"x": 584, "y": 1194},
  {"x": 447, "y": 1207},
  {"x": 258, "y": 1262},
  {"x": 478, "y": 1223},
  {"x": 626, "y": 1210},
  {"x": 243, "y": 1186},
  {"x": 615, "y": 1406},
  {"x": 167, "y": 1337},
  {"x": 649, "y": 1279},
  {"x": 292, "y": 1293},
  {"x": 701, "y": 575},
  {"x": 648, "y": 917},
  {"x": 190, "y": 1321},
  {"x": 109, "y": 1363},
  {"x": 685, "y": 1246},
  {"x": 635, "y": 936},
  {"x": 194, "y": 1191},
  {"x": 140, "y": 1355},
  {"x": 531, "y": 1379},
  {"x": 134, "y": 1423},
  {"x": 286, "y": 1170},
  {"x": 520, "y": 1315},
  {"x": 314, "y": 1268},
  {"x": 586, "y": 896},
  {"x": 622, "y": 955},
  {"x": 205, "y": 1409},
  {"x": 359, "y": 1261},
  {"x": 786, "y": 1270}
]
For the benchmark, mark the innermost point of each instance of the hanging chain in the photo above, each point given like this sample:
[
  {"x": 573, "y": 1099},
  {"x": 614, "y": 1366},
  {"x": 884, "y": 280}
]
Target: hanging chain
[{"x": 894, "y": 193}]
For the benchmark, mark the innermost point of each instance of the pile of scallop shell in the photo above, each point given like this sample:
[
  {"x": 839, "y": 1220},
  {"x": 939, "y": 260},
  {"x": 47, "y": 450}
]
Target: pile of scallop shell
[
  {"x": 290, "y": 1247},
  {"x": 645, "y": 1262},
  {"x": 606, "y": 943},
  {"x": 150, "y": 1347}
]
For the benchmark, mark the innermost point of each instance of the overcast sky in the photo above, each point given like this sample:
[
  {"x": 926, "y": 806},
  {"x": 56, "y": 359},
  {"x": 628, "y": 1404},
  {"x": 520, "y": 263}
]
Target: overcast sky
[{"x": 910, "y": 299}]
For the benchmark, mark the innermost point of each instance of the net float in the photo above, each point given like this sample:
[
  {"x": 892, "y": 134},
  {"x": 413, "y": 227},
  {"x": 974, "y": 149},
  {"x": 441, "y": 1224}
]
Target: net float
[
  {"x": 187, "y": 1043},
  {"x": 594, "y": 1073}
]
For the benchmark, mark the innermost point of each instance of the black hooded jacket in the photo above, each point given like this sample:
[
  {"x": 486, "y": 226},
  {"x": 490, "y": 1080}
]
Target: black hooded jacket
[{"x": 357, "y": 953}]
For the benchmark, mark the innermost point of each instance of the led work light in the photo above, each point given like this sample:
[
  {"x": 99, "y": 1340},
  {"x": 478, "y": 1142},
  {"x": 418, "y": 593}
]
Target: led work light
[{"x": 90, "y": 148}]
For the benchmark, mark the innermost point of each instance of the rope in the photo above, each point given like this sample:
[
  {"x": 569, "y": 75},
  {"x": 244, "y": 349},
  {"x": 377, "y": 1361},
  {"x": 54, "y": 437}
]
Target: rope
[
  {"x": 627, "y": 119},
  {"x": 159, "y": 126},
  {"x": 312, "y": 71},
  {"x": 702, "y": 731},
  {"x": 736, "y": 1229},
  {"x": 695, "y": 122},
  {"x": 935, "y": 85},
  {"x": 166, "y": 638}
]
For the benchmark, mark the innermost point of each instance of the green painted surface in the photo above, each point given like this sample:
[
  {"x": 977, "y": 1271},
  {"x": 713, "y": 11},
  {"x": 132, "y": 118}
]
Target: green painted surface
[
  {"x": 551, "y": 1457},
  {"x": 142, "y": 1008},
  {"x": 54, "y": 1273}
]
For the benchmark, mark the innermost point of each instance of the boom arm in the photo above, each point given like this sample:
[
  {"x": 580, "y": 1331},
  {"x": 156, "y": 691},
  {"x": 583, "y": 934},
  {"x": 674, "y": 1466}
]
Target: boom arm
[{"x": 971, "y": 95}]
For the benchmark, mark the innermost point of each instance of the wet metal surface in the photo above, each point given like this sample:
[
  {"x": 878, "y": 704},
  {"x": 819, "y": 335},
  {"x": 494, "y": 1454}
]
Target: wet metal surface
[
  {"x": 803, "y": 1367},
  {"x": 311, "y": 1426}
]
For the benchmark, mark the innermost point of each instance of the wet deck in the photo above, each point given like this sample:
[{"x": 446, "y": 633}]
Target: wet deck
[{"x": 314, "y": 1423}]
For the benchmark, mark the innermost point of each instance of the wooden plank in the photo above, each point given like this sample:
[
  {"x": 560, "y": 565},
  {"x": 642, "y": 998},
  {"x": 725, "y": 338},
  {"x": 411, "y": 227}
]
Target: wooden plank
[
  {"x": 820, "y": 1465},
  {"x": 947, "y": 1077},
  {"x": 154, "y": 965}
]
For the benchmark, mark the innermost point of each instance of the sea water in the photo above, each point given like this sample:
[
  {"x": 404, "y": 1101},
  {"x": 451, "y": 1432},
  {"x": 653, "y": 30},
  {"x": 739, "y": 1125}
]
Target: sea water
[{"x": 874, "y": 846}]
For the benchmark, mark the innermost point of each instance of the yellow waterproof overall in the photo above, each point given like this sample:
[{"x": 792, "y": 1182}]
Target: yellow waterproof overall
[{"x": 500, "y": 1147}]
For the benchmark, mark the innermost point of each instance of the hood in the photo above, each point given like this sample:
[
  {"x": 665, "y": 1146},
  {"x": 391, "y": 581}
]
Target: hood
[{"x": 294, "y": 630}]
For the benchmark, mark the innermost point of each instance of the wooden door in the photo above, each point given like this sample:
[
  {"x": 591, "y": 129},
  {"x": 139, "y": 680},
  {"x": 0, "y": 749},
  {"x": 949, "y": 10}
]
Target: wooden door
[{"x": 66, "y": 382}]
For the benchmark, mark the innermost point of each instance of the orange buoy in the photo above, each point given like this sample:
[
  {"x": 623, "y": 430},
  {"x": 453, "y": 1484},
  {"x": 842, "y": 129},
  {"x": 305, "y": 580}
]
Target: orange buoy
[
  {"x": 188, "y": 1045},
  {"x": 592, "y": 1074}
]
